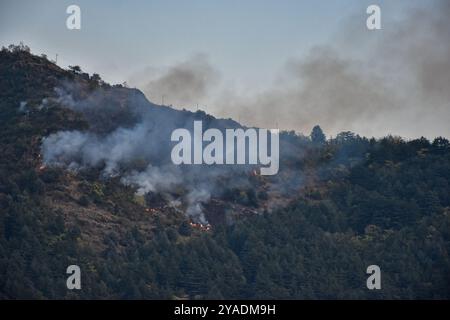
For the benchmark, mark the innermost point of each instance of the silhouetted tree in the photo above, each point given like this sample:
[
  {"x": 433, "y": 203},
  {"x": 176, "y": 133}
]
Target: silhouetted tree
[
  {"x": 317, "y": 135},
  {"x": 75, "y": 69}
]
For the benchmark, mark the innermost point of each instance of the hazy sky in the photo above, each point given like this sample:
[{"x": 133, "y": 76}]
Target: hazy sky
[{"x": 287, "y": 63}]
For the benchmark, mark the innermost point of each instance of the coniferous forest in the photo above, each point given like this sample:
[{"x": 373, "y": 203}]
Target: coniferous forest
[{"x": 337, "y": 206}]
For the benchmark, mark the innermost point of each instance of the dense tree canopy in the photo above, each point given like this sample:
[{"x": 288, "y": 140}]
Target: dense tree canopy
[{"x": 359, "y": 202}]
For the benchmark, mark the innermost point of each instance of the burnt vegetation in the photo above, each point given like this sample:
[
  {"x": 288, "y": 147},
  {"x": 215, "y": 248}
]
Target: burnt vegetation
[{"x": 336, "y": 207}]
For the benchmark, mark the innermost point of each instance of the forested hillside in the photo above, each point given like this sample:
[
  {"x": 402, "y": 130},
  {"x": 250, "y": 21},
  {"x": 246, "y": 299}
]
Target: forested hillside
[{"x": 337, "y": 206}]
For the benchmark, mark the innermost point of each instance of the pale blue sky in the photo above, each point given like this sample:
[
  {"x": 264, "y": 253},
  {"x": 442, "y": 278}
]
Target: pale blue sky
[
  {"x": 246, "y": 40},
  {"x": 250, "y": 44}
]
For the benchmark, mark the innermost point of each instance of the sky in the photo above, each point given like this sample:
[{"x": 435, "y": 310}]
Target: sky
[{"x": 286, "y": 64}]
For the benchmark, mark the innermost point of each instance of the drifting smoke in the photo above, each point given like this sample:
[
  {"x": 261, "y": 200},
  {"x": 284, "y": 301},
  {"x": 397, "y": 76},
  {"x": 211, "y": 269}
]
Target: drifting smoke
[
  {"x": 23, "y": 106},
  {"x": 130, "y": 137},
  {"x": 401, "y": 77},
  {"x": 195, "y": 198},
  {"x": 84, "y": 149},
  {"x": 371, "y": 82},
  {"x": 153, "y": 179},
  {"x": 322, "y": 88},
  {"x": 184, "y": 84}
]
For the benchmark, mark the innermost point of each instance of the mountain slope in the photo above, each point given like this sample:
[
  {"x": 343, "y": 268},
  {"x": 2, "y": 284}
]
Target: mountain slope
[{"x": 335, "y": 207}]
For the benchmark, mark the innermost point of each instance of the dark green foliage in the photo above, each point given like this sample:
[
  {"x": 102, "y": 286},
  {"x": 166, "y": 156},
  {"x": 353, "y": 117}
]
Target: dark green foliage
[
  {"x": 185, "y": 229},
  {"x": 311, "y": 249},
  {"x": 317, "y": 135},
  {"x": 83, "y": 201},
  {"x": 383, "y": 202}
]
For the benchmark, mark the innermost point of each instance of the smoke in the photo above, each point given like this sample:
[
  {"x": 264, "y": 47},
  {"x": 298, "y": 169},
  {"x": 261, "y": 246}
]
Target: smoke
[
  {"x": 420, "y": 46},
  {"x": 395, "y": 80},
  {"x": 85, "y": 149},
  {"x": 23, "y": 107},
  {"x": 323, "y": 88},
  {"x": 153, "y": 179},
  {"x": 184, "y": 84},
  {"x": 390, "y": 81},
  {"x": 195, "y": 198},
  {"x": 130, "y": 137}
]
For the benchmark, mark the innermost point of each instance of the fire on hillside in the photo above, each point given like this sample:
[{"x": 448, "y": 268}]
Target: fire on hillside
[{"x": 200, "y": 226}]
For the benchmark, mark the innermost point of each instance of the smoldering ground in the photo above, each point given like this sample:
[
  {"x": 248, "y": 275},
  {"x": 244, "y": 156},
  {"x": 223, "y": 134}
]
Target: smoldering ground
[
  {"x": 399, "y": 84},
  {"x": 130, "y": 137}
]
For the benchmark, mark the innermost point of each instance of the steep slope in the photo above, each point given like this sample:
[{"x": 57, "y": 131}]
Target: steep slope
[{"x": 335, "y": 207}]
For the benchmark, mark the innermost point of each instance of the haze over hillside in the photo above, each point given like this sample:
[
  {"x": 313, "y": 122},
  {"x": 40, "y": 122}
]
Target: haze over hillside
[
  {"x": 84, "y": 180},
  {"x": 265, "y": 64}
]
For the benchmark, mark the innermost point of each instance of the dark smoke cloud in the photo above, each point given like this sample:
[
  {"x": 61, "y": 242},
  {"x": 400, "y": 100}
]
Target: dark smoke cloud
[
  {"x": 323, "y": 88},
  {"x": 184, "y": 84},
  {"x": 399, "y": 85},
  {"x": 390, "y": 81}
]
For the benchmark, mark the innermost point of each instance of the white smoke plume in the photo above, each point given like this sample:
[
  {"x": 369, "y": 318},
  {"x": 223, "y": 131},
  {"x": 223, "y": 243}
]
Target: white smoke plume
[
  {"x": 153, "y": 179},
  {"x": 130, "y": 137},
  {"x": 195, "y": 198}
]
